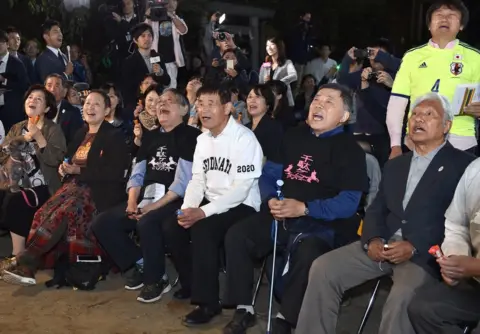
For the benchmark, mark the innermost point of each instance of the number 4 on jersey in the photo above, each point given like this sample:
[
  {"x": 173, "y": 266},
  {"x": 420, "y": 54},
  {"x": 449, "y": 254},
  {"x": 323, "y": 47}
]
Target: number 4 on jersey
[{"x": 436, "y": 86}]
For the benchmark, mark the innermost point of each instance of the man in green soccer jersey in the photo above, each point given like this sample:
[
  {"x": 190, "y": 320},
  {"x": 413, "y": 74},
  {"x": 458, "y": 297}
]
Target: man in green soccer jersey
[{"x": 438, "y": 66}]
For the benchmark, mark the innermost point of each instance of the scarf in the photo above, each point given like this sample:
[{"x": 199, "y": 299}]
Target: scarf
[{"x": 148, "y": 121}]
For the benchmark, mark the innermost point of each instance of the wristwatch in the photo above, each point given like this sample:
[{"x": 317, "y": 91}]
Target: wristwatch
[{"x": 306, "y": 212}]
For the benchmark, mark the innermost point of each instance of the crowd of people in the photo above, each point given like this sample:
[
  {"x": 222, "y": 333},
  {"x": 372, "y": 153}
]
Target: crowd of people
[{"x": 124, "y": 175}]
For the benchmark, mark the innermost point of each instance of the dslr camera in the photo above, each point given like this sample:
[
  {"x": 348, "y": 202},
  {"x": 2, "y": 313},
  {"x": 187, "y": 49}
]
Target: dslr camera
[
  {"x": 220, "y": 34},
  {"x": 362, "y": 53},
  {"x": 373, "y": 76},
  {"x": 158, "y": 10}
]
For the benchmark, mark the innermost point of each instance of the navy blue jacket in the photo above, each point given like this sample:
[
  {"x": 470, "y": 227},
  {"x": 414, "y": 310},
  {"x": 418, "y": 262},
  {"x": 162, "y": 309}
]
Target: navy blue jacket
[
  {"x": 372, "y": 105},
  {"x": 16, "y": 86}
]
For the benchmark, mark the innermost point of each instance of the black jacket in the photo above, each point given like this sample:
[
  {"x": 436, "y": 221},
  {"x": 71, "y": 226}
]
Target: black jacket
[
  {"x": 27, "y": 62},
  {"x": 422, "y": 221},
  {"x": 46, "y": 64},
  {"x": 107, "y": 165},
  {"x": 119, "y": 34},
  {"x": 16, "y": 86},
  {"x": 217, "y": 75},
  {"x": 70, "y": 119},
  {"x": 134, "y": 70}
]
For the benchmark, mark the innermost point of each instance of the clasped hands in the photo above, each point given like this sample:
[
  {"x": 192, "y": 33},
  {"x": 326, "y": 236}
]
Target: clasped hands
[
  {"x": 286, "y": 208},
  {"x": 396, "y": 253}
]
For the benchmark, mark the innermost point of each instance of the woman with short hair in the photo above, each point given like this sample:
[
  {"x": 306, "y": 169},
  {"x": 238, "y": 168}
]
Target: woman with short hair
[
  {"x": 94, "y": 181},
  {"x": 43, "y": 154}
]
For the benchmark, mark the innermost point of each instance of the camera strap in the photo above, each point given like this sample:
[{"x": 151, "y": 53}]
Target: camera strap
[{"x": 25, "y": 197}]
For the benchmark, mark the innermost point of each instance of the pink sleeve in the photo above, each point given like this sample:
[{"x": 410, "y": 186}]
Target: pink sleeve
[{"x": 395, "y": 113}]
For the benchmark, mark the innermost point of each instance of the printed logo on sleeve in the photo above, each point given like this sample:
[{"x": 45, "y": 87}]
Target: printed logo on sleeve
[{"x": 245, "y": 169}]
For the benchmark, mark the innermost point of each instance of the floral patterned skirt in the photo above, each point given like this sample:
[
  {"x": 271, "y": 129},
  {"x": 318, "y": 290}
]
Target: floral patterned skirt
[{"x": 62, "y": 226}]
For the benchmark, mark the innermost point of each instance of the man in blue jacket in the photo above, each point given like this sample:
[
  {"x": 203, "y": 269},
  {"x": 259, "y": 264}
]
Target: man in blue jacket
[{"x": 324, "y": 172}]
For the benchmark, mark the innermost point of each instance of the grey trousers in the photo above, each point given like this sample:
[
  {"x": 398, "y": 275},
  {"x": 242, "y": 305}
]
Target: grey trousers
[{"x": 344, "y": 268}]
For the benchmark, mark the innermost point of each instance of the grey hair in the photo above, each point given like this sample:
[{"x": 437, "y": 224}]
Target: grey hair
[
  {"x": 445, "y": 103},
  {"x": 181, "y": 99}
]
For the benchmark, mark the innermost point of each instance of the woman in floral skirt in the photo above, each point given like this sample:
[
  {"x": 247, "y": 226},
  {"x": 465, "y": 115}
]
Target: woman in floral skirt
[{"x": 94, "y": 181}]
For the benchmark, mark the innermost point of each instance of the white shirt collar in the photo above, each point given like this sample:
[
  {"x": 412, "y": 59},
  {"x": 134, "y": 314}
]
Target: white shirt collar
[
  {"x": 450, "y": 45},
  {"x": 5, "y": 58},
  {"x": 55, "y": 51},
  {"x": 227, "y": 129},
  {"x": 128, "y": 19}
]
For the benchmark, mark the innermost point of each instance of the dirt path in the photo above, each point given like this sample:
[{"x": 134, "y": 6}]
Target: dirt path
[{"x": 108, "y": 310}]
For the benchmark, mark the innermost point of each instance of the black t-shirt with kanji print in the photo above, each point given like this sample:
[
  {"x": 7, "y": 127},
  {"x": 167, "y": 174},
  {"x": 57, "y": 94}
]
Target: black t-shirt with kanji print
[
  {"x": 163, "y": 150},
  {"x": 317, "y": 168}
]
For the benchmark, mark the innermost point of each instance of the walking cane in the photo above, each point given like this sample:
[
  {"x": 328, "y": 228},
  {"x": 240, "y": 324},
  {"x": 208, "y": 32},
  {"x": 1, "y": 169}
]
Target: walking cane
[{"x": 275, "y": 237}]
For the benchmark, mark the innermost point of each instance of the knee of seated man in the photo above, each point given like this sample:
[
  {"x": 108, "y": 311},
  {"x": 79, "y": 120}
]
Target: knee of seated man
[
  {"x": 323, "y": 269},
  {"x": 101, "y": 223},
  {"x": 143, "y": 225},
  {"x": 419, "y": 308},
  {"x": 235, "y": 235},
  {"x": 310, "y": 249}
]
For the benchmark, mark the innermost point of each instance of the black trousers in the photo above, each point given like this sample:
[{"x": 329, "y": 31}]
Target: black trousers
[
  {"x": 441, "y": 309},
  {"x": 112, "y": 229},
  {"x": 197, "y": 263},
  {"x": 251, "y": 239}
]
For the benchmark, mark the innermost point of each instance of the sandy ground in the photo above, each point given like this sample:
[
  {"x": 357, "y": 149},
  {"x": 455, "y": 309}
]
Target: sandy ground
[{"x": 112, "y": 310}]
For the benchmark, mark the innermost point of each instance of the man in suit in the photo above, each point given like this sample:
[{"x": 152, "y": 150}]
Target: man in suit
[
  {"x": 13, "y": 85},
  {"x": 67, "y": 116},
  {"x": 404, "y": 221},
  {"x": 142, "y": 62},
  {"x": 52, "y": 60},
  {"x": 31, "y": 49},
  {"x": 14, "y": 42}
]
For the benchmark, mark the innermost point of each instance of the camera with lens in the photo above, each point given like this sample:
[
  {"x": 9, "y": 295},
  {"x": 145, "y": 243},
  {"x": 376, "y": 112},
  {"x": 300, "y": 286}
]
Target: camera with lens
[
  {"x": 362, "y": 53},
  {"x": 158, "y": 10},
  {"x": 222, "y": 63},
  {"x": 373, "y": 76},
  {"x": 222, "y": 36}
]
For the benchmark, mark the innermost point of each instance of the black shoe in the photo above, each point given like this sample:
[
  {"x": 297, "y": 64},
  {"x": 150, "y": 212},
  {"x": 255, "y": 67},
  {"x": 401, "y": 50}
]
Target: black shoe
[
  {"x": 241, "y": 322},
  {"x": 202, "y": 315},
  {"x": 182, "y": 294},
  {"x": 134, "y": 278},
  {"x": 281, "y": 326},
  {"x": 152, "y": 292}
]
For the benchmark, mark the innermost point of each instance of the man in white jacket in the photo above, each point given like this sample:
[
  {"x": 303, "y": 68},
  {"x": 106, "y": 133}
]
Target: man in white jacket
[{"x": 224, "y": 190}]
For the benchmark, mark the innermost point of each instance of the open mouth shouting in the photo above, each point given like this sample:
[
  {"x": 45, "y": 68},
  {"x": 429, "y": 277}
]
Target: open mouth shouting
[
  {"x": 418, "y": 129},
  {"x": 317, "y": 116}
]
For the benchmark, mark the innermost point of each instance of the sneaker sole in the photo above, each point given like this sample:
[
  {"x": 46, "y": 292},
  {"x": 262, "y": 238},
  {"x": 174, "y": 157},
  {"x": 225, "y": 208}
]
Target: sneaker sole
[
  {"x": 149, "y": 301},
  {"x": 12, "y": 278},
  {"x": 133, "y": 288}
]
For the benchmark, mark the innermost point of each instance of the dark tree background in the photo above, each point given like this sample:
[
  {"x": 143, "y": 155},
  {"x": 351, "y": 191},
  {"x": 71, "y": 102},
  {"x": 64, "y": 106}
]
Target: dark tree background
[{"x": 343, "y": 23}]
